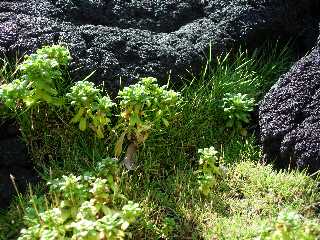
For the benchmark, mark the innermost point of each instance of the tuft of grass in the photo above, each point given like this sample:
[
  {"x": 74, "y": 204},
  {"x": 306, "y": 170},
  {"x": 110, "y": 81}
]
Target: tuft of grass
[{"x": 257, "y": 194}]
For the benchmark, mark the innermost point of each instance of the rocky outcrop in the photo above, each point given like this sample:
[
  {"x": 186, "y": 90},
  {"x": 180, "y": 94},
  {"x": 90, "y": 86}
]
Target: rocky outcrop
[
  {"x": 127, "y": 39},
  {"x": 290, "y": 116}
]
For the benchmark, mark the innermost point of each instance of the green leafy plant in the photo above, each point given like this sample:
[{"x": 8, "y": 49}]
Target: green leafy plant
[
  {"x": 210, "y": 170},
  {"x": 40, "y": 80},
  {"x": 80, "y": 207},
  {"x": 237, "y": 108},
  {"x": 144, "y": 107},
  {"x": 92, "y": 110},
  {"x": 168, "y": 227},
  {"x": 290, "y": 226}
]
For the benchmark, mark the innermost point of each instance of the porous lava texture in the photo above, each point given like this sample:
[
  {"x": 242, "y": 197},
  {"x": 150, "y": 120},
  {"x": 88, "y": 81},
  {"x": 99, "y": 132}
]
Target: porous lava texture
[
  {"x": 290, "y": 116},
  {"x": 128, "y": 39}
]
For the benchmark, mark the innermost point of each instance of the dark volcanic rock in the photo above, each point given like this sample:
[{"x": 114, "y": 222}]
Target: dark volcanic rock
[
  {"x": 148, "y": 37},
  {"x": 14, "y": 162},
  {"x": 290, "y": 116}
]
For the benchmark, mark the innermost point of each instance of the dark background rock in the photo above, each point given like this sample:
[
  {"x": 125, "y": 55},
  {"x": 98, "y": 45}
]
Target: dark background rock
[
  {"x": 14, "y": 161},
  {"x": 290, "y": 116},
  {"x": 128, "y": 39}
]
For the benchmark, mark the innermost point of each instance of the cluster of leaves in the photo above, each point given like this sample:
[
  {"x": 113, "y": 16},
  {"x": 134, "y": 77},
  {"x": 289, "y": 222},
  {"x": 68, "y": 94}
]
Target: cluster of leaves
[
  {"x": 291, "y": 225},
  {"x": 82, "y": 208},
  {"x": 145, "y": 106},
  {"x": 91, "y": 108},
  {"x": 40, "y": 79},
  {"x": 210, "y": 170},
  {"x": 237, "y": 108}
]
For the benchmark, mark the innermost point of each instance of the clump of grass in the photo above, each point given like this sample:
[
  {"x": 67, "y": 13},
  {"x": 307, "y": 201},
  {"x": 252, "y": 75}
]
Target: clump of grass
[{"x": 257, "y": 194}]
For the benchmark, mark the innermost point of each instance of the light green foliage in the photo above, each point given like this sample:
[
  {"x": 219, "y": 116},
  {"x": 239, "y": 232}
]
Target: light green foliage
[
  {"x": 145, "y": 106},
  {"x": 255, "y": 195},
  {"x": 40, "y": 80},
  {"x": 209, "y": 170},
  {"x": 291, "y": 226},
  {"x": 168, "y": 227},
  {"x": 237, "y": 108},
  {"x": 92, "y": 110},
  {"x": 81, "y": 208},
  {"x": 12, "y": 94}
]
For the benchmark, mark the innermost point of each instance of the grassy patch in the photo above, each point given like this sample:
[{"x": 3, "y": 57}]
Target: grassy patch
[{"x": 248, "y": 198}]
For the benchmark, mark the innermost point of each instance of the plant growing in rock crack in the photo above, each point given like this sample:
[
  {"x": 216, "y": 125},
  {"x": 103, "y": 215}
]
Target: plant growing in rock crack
[
  {"x": 92, "y": 110},
  {"x": 237, "y": 108},
  {"x": 41, "y": 79},
  {"x": 80, "y": 207},
  {"x": 144, "y": 107},
  {"x": 210, "y": 170}
]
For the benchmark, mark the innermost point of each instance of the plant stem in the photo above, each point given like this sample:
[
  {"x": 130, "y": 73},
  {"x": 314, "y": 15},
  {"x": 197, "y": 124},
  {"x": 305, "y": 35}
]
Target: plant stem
[{"x": 128, "y": 160}]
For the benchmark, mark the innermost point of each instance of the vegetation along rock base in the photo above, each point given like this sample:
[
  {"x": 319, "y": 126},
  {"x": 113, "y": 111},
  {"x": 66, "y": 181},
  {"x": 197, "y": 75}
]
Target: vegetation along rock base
[{"x": 175, "y": 119}]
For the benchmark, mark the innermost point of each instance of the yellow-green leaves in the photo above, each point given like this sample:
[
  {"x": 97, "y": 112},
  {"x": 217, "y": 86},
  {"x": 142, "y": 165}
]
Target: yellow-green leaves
[
  {"x": 38, "y": 80},
  {"x": 209, "y": 170},
  {"x": 92, "y": 110},
  {"x": 119, "y": 143},
  {"x": 146, "y": 106},
  {"x": 83, "y": 124},
  {"x": 81, "y": 207},
  {"x": 237, "y": 108},
  {"x": 142, "y": 107}
]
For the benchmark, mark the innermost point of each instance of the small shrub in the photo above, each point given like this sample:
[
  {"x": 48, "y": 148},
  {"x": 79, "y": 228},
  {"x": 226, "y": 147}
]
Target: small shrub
[
  {"x": 144, "y": 107},
  {"x": 290, "y": 226},
  {"x": 168, "y": 227},
  {"x": 237, "y": 108},
  {"x": 81, "y": 207},
  {"x": 40, "y": 80},
  {"x": 210, "y": 171},
  {"x": 92, "y": 110}
]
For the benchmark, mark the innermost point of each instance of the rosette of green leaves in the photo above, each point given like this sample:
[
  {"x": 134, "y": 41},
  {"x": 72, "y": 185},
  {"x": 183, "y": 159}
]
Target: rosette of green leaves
[
  {"x": 209, "y": 169},
  {"x": 13, "y": 94},
  {"x": 145, "y": 106},
  {"x": 81, "y": 208},
  {"x": 41, "y": 75},
  {"x": 237, "y": 108},
  {"x": 92, "y": 110}
]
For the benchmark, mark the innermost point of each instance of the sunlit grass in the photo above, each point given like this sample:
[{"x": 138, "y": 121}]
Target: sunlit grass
[{"x": 165, "y": 184}]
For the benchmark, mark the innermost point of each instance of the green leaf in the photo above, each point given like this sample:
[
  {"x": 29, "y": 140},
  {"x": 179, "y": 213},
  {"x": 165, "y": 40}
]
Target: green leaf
[
  {"x": 243, "y": 132},
  {"x": 83, "y": 124},
  {"x": 134, "y": 119},
  {"x": 165, "y": 122},
  {"x": 77, "y": 117},
  {"x": 125, "y": 225},
  {"x": 99, "y": 133},
  {"x": 119, "y": 143},
  {"x": 44, "y": 96}
]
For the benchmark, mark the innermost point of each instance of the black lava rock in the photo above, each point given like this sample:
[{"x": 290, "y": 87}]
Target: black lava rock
[
  {"x": 290, "y": 116},
  {"x": 14, "y": 163},
  {"x": 128, "y": 39}
]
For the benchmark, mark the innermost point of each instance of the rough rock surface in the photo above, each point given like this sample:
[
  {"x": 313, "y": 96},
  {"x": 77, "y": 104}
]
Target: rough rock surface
[
  {"x": 148, "y": 37},
  {"x": 290, "y": 116}
]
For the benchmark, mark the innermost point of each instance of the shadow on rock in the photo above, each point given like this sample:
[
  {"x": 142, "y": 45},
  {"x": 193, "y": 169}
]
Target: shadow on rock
[{"x": 13, "y": 162}]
